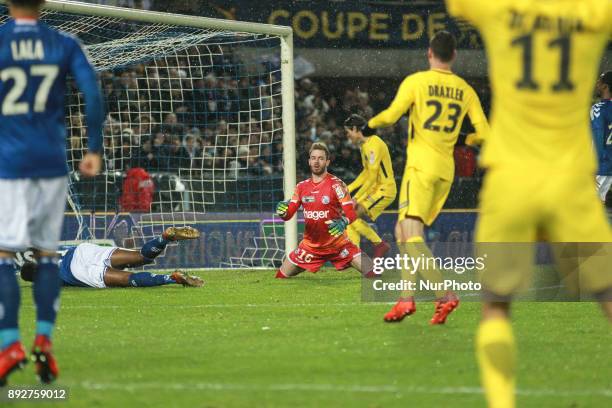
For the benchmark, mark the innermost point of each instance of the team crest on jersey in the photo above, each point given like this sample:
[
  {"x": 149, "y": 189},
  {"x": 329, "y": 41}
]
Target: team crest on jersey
[
  {"x": 339, "y": 191},
  {"x": 308, "y": 199},
  {"x": 325, "y": 200},
  {"x": 344, "y": 253}
]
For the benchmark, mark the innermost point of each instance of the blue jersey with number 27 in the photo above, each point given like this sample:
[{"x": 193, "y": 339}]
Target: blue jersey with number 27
[
  {"x": 601, "y": 124},
  {"x": 35, "y": 61}
]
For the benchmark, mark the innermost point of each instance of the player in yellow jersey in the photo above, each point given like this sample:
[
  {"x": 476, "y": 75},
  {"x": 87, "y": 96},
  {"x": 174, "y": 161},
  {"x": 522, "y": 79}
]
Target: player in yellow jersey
[
  {"x": 543, "y": 62},
  {"x": 376, "y": 184},
  {"x": 437, "y": 101}
]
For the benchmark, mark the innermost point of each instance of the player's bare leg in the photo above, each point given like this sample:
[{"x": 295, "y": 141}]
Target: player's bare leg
[
  {"x": 288, "y": 270},
  {"x": 122, "y": 279},
  {"x": 496, "y": 353},
  {"x": 126, "y": 258},
  {"x": 13, "y": 355},
  {"x": 116, "y": 278}
]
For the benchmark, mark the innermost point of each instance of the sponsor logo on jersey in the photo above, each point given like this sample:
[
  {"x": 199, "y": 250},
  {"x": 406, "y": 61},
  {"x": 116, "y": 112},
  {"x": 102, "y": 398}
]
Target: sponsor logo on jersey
[
  {"x": 325, "y": 200},
  {"x": 339, "y": 191},
  {"x": 308, "y": 199},
  {"x": 344, "y": 253},
  {"x": 316, "y": 215},
  {"x": 372, "y": 157}
]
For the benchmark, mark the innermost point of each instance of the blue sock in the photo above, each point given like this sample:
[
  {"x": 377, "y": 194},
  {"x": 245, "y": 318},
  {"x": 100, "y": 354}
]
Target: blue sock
[
  {"x": 47, "y": 284},
  {"x": 153, "y": 248},
  {"x": 144, "y": 279},
  {"x": 9, "y": 303}
]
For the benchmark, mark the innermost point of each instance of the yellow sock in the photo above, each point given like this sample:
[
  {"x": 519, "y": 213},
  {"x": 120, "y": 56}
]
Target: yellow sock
[
  {"x": 405, "y": 273},
  {"x": 353, "y": 234},
  {"x": 416, "y": 248},
  {"x": 496, "y": 354},
  {"x": 367, "y": 231}
]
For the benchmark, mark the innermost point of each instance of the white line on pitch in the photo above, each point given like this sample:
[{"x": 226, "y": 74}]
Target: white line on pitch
[
  {"x": 213, "y": 306},
  {"x": 330, "y": 388}
]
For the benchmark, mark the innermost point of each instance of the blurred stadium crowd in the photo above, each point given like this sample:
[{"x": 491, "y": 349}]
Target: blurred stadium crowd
[{"x": 161, "y": 119}]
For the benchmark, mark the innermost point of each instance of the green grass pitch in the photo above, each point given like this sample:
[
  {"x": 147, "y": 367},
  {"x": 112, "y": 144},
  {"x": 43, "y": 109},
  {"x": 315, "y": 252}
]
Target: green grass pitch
[{"x": 248, "y": 340}]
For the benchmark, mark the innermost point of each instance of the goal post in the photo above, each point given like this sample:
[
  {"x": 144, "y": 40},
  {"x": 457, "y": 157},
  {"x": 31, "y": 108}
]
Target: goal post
[{"x": 257, "y": 100}]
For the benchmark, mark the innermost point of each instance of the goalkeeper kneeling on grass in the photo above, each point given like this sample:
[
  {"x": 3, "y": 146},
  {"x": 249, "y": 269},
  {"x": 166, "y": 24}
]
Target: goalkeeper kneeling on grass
[
  {"x": 328, "y": 210},
  {"x": 95, "y": 266}
]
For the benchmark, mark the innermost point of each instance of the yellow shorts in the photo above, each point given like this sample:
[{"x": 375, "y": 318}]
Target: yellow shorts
[
  {"x": 523, "y": 207},
  {"x": 377, "y": 202},
  {"x": 422, "y": 195}
]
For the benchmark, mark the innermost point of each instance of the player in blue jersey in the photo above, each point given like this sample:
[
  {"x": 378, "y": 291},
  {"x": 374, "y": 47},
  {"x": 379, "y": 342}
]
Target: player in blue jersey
[
  {"x": 95, "y": 266},
  {"x": 35, "y": 61},
  {"x": 601, "y": 124}
]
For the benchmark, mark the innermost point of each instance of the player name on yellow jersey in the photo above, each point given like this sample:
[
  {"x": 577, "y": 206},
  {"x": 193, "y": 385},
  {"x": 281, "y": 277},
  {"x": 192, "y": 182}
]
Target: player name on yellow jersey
[
  {"x": 446, "y": 92},
  {"x": 540, "y": 22}
]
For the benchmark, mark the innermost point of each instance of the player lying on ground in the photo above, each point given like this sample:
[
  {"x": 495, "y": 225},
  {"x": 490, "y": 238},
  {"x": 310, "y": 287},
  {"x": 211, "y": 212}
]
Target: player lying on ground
[
  {"x": 328, "y": 210},
  {"x": 375, "y": 184},
  {"x": 601, "y": 124},
  {"x": 95, "y": 266},
  {"x": 437, "y": 101}
]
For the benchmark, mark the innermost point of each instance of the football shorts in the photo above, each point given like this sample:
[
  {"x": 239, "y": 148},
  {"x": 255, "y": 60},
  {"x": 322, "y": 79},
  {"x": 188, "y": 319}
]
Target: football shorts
[
  {"x": 310, "y": 260},
  {"x": 89, "y": 264},
  {"x": 422, "y": 195},
  {"x": 375, "y": 203},
  {"x": 32, "y": 213}
]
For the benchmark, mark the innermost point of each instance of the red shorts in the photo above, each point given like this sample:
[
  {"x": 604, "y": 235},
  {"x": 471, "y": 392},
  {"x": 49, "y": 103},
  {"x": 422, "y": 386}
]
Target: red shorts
[{"x": 312, "y": 261}]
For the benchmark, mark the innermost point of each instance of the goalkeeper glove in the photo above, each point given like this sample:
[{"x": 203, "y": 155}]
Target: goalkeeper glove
[
  {"x": 337, "y": 227},
  {"x": 368, "y": 131},
  {"x": 281, "y": 208}
]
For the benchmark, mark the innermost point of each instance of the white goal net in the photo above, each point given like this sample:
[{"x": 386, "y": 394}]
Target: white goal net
[{"x": 195, "y": 122}]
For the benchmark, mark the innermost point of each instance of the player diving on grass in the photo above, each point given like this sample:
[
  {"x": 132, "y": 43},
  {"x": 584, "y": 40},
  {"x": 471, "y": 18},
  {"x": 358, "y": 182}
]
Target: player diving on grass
[
  {"x": 95, "y": 266},
  {"x": 543, "y": 59},
  {"x": 601, "y": 125},
  {"x": 375, "y": 184},
  {"x": 328, "y": 210},
  {"x": 35, "y": 62},
  {"x": 437, "y": 101}
]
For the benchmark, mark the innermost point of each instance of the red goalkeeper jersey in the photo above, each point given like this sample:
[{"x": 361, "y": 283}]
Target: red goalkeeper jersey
[{"x": 324, "y": 201}]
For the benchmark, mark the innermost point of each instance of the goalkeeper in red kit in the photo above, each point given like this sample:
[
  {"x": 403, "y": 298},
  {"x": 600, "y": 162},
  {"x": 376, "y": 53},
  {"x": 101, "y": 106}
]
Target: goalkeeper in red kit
[{"x": 328, "y": 210}]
